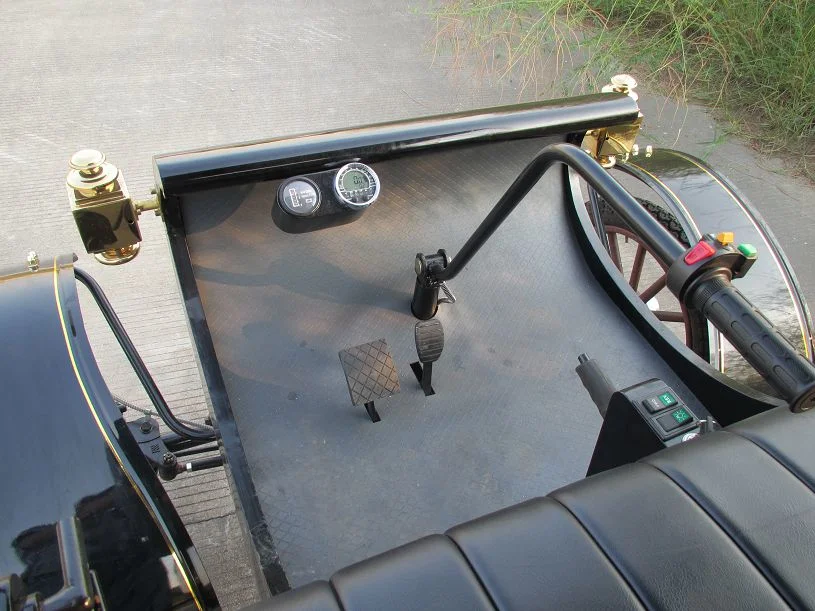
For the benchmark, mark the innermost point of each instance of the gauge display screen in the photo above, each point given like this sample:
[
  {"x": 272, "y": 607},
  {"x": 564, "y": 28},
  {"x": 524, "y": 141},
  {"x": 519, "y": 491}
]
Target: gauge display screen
[
  {"x": 355, "y": 179},
  {"x": 356, "y": 185}
]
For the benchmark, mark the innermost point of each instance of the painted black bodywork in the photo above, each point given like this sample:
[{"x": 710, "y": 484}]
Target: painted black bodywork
[{"x": 68, "y": 453}]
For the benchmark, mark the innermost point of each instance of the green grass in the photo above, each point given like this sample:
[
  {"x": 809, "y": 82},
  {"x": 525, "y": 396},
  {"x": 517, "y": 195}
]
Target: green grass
[{"x": 752, "y": 60}]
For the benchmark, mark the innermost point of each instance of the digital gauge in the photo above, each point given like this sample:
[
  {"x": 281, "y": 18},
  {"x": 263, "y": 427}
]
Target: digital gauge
[{"x": 356, "y": 185}]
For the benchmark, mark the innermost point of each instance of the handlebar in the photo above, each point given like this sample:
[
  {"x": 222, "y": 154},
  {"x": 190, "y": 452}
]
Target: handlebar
[
  {"x": 757, "y": 339},
  {"x": 702, "y": 283}
]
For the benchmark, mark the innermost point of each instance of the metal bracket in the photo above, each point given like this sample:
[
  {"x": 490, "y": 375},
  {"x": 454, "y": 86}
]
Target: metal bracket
[
  {"x": 146, "y": 433},
  {"x": 607, "y": 143}
]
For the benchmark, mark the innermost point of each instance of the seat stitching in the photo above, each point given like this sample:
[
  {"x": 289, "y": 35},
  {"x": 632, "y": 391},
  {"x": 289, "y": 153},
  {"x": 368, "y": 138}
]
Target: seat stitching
[
  {"x": 623, "y": 577},
  {"x": 472, "y": 570},
  {"x": 777, "y": 457},
  {"x": 336, "y": 594},
  {"x": 783, "y": 592}
]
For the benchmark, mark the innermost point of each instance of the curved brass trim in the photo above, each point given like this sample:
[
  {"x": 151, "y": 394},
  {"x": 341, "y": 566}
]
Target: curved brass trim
[
  {"x": 802, "y": 323},
  {"x": 174, "y": 551}
]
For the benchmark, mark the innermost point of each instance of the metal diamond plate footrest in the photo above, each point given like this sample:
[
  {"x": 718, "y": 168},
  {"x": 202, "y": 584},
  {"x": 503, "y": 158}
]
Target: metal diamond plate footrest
[{"x": 370, "y": 374}]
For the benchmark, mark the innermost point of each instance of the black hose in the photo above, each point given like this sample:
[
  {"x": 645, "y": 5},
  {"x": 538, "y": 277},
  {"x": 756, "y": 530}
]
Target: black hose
[
  {"x": 205, "y": 433},
  {"x": 661, "y": 242}
]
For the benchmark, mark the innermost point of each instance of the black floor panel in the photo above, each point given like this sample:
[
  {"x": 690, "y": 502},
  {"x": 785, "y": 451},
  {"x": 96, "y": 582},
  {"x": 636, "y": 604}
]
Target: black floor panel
[{"x": 509, "y": 419}]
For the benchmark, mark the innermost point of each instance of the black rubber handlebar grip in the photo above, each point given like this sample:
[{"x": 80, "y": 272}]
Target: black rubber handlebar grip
[{"x": 757, "y": 339}]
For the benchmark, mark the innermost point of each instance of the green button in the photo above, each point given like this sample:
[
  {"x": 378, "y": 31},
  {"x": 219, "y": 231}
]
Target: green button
[
  {"x": 681, "y": 415},
  {"x": 667, "y": 399},
  {"x": 748, "y": 250}
]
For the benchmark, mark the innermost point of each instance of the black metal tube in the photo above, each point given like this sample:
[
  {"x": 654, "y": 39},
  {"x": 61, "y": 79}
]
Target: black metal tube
[
  {"x": 425, "y": 300},
  {"x": 597, "y": 218},
  {"x": 192, "y": 451},
  {"x": 205, "y": 433},
  {"x": 176, "y": 442},
  {"x": 204, "y": 463},
  {"x": 639, "y": 220}
]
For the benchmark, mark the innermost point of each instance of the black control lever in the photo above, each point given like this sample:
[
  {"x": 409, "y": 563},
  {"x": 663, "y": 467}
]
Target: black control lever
[
  {"x": 595, "y": 381},
  {"x": 429, "y": 335},
  {"x": 432, "y": 271}
]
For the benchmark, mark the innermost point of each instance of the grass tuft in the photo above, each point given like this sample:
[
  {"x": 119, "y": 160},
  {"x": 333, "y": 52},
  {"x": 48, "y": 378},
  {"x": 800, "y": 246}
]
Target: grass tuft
[{"x": 752, "y": 60}]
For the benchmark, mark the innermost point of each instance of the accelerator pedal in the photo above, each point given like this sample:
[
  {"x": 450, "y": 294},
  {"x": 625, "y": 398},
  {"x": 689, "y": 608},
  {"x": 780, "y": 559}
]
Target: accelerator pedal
[
  {"x": 429, "y": 335},
  {"x": 370, "y": 374}
]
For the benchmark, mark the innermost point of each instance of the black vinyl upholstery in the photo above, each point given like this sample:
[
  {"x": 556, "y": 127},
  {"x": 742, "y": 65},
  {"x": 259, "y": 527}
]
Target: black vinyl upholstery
[{"x": 725, "y": 522}]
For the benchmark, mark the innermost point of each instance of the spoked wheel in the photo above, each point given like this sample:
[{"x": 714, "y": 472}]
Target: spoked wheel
[{"x": 647, "y": 274}]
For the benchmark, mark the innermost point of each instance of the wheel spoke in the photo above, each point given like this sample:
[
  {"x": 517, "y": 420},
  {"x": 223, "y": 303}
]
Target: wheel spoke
[
  {"x": 636, "y": 269},
  {"x": 665, "y": 316},
  {"x": 655, "y": 288},
  {"x": 614, "y": 250}
]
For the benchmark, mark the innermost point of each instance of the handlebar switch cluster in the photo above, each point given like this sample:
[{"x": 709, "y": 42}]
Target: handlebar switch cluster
[{"x": 711, "y": 255}]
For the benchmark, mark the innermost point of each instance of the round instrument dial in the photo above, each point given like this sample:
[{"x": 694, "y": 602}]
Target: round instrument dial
[
  {"x": 299, "y": 197},
  {"x": 356, "y": 185}
]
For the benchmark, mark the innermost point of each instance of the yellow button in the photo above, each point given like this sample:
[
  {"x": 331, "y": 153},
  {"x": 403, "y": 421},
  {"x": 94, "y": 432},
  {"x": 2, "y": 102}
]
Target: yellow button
[{"x": 725, "y": 237}]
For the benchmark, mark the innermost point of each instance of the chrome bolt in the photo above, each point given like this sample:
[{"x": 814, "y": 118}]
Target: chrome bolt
[{"x": 33, "y": 261}]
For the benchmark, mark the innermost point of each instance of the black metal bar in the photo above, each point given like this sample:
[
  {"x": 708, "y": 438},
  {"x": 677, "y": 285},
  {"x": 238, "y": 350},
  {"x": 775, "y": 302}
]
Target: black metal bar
[
  {"x": 427, "y": 378},
  {"x": 175, "y": 442},
  {"x": 205, "y": 433},
  {"x": 597, "y": 218},
  {"x": 191, "y": 451},
  {"x": 183, "y": 172},
  {"x": 204, "y": 463},
  {"x": 372, "y": 413},
  {"x": 639, "y": 220}
]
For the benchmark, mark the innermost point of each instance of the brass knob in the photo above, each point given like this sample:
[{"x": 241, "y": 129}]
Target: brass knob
[
  {"x": 90, "y": 172},
  {"x": 87, "y": 161},
  {"x": 622, "y": 83}
]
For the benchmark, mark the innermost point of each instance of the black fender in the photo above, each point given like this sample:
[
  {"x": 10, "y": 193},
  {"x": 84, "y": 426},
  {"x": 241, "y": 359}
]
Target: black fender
[
  {"x": 71, "y": 465},
  {"x": 704, "y": 201}
]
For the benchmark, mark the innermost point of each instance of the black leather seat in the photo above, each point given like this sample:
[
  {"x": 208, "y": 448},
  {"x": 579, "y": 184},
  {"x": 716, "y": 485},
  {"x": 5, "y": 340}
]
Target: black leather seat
[{"x": 727, "y": 521}]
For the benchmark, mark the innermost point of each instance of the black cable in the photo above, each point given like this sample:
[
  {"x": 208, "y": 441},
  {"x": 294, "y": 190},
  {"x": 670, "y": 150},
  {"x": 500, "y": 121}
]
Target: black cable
[{"x": 205, "y": 433}]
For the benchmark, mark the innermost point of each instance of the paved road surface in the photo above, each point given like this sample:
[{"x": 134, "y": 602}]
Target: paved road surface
[{"x": 135, "y": 79}]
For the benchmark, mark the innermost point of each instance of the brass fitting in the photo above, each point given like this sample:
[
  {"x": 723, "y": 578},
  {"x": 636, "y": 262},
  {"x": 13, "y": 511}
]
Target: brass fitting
[
  {"x": 607, "y": 143},
  {"x": 104, "y": 213}
]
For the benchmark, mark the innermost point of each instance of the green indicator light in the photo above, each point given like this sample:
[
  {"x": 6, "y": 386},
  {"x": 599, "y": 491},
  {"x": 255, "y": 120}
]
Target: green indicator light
[
  {"x": 667, "y": 399},
  {"x": 681, "y": 415},
  {"x": 748, "y": 250}
]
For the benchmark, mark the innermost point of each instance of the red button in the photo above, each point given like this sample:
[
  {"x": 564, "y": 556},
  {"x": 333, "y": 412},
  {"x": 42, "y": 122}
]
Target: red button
[{"x": 700, "y": 252}]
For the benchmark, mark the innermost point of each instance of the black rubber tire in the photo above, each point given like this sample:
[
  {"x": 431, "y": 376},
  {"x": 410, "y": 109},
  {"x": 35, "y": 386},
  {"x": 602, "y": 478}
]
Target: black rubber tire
[
  {"x": 665, "y": 217},
  {"x": 698, "y": 324}
]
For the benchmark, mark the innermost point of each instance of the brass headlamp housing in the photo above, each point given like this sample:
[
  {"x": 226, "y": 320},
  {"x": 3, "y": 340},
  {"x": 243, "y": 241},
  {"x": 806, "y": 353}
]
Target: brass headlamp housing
[{"x": 106, "y": 216}]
